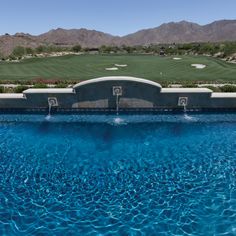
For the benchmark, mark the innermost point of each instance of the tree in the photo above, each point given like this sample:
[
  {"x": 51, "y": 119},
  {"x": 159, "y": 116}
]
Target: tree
[
  {"x": 229, "y": 48},
  {"x": 19, "y": 51},
  {"x": 105, "y": 49},
  {"x": 41, "y": 49},
  {"x": 76, "y": 48},
  {"x": 29, "y": 51},
  {"x": 2, "y": 56},
  {"x": 128, "y": 49}
]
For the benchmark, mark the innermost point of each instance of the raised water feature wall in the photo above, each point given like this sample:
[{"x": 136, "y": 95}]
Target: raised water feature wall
[{"x": 117, "y": 94}]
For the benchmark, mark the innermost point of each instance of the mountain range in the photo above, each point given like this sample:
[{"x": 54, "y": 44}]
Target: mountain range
[{"x": 173, "y": 32}]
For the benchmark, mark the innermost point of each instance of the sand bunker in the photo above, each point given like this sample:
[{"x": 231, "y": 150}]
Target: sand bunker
[
  {"x": 120, "y": 65},
  {"x": 112, "y": 68},
  {"x": 198, "y": 66},
  {"x": 177, "y": 58}
]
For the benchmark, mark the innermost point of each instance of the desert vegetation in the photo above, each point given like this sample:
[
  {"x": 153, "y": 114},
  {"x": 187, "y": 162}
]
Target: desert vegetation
[{"x": 224, "y": 50}]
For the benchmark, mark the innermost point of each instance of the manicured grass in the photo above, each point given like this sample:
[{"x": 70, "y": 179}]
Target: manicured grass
[{"x": 151, "y": 67}]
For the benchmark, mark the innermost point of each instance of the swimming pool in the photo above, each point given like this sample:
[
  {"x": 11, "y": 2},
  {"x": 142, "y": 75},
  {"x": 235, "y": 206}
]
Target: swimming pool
[{"x": 126, "y": 175}]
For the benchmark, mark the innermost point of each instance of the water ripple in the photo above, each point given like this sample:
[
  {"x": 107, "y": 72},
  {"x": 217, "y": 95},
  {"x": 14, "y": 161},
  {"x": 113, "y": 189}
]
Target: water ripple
[{"x": 163, "y": 178}]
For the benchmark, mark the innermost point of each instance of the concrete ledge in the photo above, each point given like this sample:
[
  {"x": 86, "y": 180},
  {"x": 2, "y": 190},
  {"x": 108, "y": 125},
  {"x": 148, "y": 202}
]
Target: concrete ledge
[
  {"x": 186, "y": 90},
  {"x": 117, "y": 78},
  {"x": 12, "y": 96},
  {"x": 49, "y": 90},
  {"x": 223, "y": 95}
]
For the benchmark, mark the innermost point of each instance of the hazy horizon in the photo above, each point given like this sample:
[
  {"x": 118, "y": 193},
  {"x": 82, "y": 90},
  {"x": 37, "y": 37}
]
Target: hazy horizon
[{"x": 117, "y": 18}]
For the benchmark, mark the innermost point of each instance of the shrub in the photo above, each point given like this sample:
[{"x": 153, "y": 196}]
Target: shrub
[
  {"x": 12, "y": 57},
  {"x": 1, "y": 89},
  {"x": 228, "y": 88},
  {"x": 45, "y": 81},
  {"x": 20, "y": 89},
  {"x": 214, "y": 89},
  {"x": 40, "y": 86},
  {"x": 8, "y": 90},
  {"x": 190, "y": 85},
  {"x": 61, "y": 85}
]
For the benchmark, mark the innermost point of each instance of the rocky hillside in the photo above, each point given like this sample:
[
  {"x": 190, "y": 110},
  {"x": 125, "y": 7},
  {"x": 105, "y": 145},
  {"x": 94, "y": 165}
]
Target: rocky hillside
[
  {"x": 9, "y": 42},
  {"x": 185, "y": 32},
  {"x": 84, "y": 37},
  {"x": 180, "y": 32}
]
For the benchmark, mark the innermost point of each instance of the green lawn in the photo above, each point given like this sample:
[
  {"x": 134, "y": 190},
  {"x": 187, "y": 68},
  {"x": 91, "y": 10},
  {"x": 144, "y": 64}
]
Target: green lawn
[{"x": 146, "y": 66}]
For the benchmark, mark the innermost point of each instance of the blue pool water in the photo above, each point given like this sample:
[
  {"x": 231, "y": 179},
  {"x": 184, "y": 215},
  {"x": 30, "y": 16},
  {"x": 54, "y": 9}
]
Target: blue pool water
[{"x": 127, "y": 175}]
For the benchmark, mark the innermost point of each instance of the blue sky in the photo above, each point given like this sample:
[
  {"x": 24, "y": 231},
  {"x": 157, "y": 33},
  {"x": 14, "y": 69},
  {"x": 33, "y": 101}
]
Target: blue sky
[{"x": 118, "y": 17}]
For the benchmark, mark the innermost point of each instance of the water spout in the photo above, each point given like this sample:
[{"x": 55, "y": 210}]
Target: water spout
[
  {"x": 52, "y": 102},
  {"x": 48, "y": 117},
  {"x": 49, "y": 109},
  {"x": 186, "y": 116},
  {"x": 185, "y": 109},
  {"x": 117, "y": 104}
]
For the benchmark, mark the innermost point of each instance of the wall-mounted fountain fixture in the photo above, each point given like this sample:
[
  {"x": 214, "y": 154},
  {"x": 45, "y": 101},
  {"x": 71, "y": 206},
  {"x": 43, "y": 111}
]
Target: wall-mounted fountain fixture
[
  {"x": 117, "y": 90},
  {"x": 52, "y": 102},
  {"x": 183, "y": 102}
]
